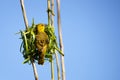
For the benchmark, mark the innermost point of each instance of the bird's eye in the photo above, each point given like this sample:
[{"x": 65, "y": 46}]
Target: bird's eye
[{"x": 42, "y": 25}]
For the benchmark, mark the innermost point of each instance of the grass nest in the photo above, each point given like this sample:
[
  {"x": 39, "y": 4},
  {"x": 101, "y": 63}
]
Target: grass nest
[{"x": 28, "y": 48}]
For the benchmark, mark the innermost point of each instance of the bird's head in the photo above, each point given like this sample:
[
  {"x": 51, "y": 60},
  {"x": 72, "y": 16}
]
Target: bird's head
[{"x": 40, "y": 27}]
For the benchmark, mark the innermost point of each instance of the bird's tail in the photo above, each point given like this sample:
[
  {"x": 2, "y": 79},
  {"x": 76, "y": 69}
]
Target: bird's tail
[{"x": 41, "y": 58}]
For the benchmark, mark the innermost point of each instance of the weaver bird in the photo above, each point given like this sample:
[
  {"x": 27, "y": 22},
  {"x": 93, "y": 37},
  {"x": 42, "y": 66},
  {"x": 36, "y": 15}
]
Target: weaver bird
[{"x": 41, "y": 42}]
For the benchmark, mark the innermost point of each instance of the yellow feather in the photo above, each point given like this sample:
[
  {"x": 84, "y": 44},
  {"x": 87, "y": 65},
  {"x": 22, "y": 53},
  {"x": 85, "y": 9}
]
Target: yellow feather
[{"x": 41, "y": 42}]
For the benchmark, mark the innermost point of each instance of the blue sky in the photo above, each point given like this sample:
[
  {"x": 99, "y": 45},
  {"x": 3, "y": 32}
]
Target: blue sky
[{"x": 91, "y": 39}]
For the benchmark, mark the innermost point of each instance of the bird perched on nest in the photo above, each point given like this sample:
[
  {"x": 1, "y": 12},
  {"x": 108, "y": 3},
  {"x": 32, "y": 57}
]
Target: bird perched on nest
[{"x": 41, "y": 42}]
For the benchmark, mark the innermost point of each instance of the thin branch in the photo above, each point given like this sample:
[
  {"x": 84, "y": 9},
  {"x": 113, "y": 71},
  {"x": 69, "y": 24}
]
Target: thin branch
[
  {"x": 52, "y": 69},
  {"x": 52, "y": 63},
  {"x": 34, "y": 70},
  {"x": 49, "y": 24},
  {"x": 24, "y": 13},
  {"x": 56, "y": 55},
  {"x": 60, "y": 38},
  {"x": 49, "y": 19},
  {"x": 58, "y": 66},
  {"x": 52, "y": 16},
  {"x": 26, "y": 25}
]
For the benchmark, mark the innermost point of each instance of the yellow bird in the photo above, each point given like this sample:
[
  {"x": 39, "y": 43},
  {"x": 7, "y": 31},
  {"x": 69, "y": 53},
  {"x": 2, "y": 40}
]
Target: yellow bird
[{"x": 41, "y": 42}]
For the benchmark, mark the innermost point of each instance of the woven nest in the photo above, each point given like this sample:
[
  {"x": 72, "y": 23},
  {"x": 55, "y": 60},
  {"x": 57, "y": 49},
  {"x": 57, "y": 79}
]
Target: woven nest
[{"x": 28, "y": 48}]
